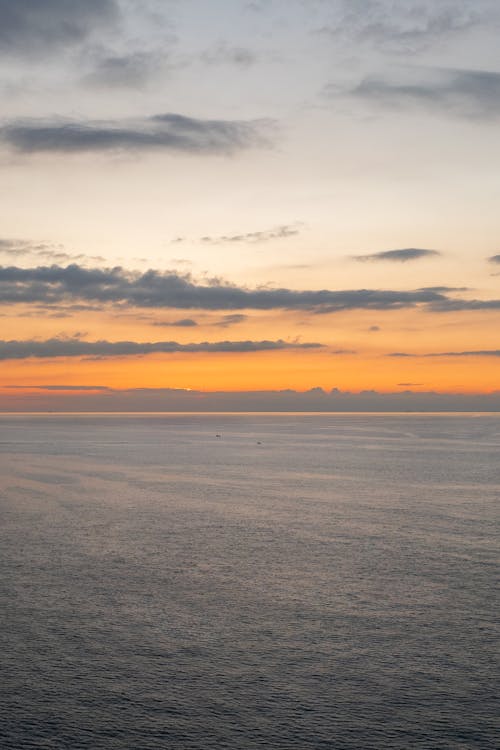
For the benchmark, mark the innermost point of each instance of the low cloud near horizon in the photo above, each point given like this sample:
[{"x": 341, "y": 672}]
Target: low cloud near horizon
[{"x": 102, "y": 398}]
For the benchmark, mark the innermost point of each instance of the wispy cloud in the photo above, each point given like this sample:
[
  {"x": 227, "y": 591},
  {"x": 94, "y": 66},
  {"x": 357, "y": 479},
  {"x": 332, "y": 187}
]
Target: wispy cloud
[
  {"x": 405, "y": 27},
  {"x": 471, "y": 353},
  {"x": 467, "y": 93},
  {"x": 223, "y": 53},
  {"x": 19, "y": 248},
  {"x": 76, "y": 347},
  {"x": 494, "y": 259},
  {"x": 166, "y": 132},
  {"x": 132, "y": 70},
  {"x": 400, "y": 256},
  {"x": 230, "y": 320},
  {"x": 284, "y": 231}
]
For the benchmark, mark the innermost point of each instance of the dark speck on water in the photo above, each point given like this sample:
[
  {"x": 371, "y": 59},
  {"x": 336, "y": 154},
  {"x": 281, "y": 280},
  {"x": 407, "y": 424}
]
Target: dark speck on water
[{"x": 335, "y": 591}]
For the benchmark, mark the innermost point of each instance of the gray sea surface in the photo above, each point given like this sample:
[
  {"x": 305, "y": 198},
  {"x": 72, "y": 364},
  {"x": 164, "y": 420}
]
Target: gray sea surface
[{"x": 300, "y": 581}]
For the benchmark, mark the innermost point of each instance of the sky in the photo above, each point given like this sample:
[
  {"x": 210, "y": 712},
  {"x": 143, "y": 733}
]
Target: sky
[{"x": 249, "y": 204}]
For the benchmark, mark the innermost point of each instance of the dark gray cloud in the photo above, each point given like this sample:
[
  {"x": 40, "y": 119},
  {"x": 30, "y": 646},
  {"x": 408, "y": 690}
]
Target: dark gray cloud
[
  {"x": 75, "y": 347},
  {"x": 463, "y": 305},
  {"x": 400, "y": 256},
  {"x": 494, "y": 259},
  {"x": 445, "y": 289},
  {"x": 225, "y": 322},
  {"x": 182, "y": 323},
  {"x": 157, "y": 289},
  {"x": 467, "y": 93},
  {"x": 29, "y": 27},
  {"x": 168, "y": 132}
]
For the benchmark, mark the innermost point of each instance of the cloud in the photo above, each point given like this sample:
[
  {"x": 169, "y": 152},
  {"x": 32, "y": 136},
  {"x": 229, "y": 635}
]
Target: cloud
[
  {"x": 278, "y": 233},
  {"x": 477, "y": 353},
  {"x": 75, "y": 347},
  {"x": 224, "y": 322},
  {"x": 132, "y": 70},
  {"x": 31, "y": 27},
  {"x": 182, "y": 323},
  {"x": 165, "y": 132},
  {"x": 467, "y": 93},
  {"x": 400, "y": 256},
  {"x": 407, "y": 26},
  {"x": 41, "y": 312},
  {"x": 494, "y": 259},
  {"x": 171, "y": 399},
  {"x": 59, "y": 387},
  {"x": 230, "y": 320},
  {"x": 20, "y": 248},
  {"x": 228, "y": 54},
  {"x": 463, "y": 305},
  {"x": 51, "y": 285}
]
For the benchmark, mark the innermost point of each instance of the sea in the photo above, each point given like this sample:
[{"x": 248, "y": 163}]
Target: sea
[{"x": 248, "y": 581}]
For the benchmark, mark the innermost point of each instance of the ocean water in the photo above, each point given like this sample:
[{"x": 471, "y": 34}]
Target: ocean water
[{"x": 301, "y": 581}]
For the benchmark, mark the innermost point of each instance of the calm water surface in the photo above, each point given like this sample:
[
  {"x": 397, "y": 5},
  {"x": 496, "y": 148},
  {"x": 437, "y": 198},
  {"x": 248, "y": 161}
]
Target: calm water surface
[{"x": 334, "y": 586}]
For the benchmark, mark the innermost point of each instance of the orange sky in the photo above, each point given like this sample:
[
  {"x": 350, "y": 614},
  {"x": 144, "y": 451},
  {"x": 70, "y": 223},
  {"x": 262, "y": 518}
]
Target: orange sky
[{"x": 352, "y": 357}]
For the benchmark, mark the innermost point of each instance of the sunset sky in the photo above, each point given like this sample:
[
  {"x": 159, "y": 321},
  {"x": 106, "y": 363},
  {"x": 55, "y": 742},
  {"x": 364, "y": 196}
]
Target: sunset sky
[{"x": 248, "y": 196}]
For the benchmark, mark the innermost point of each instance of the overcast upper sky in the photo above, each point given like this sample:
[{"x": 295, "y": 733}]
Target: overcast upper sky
[{"x": 318, "y": 178}]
